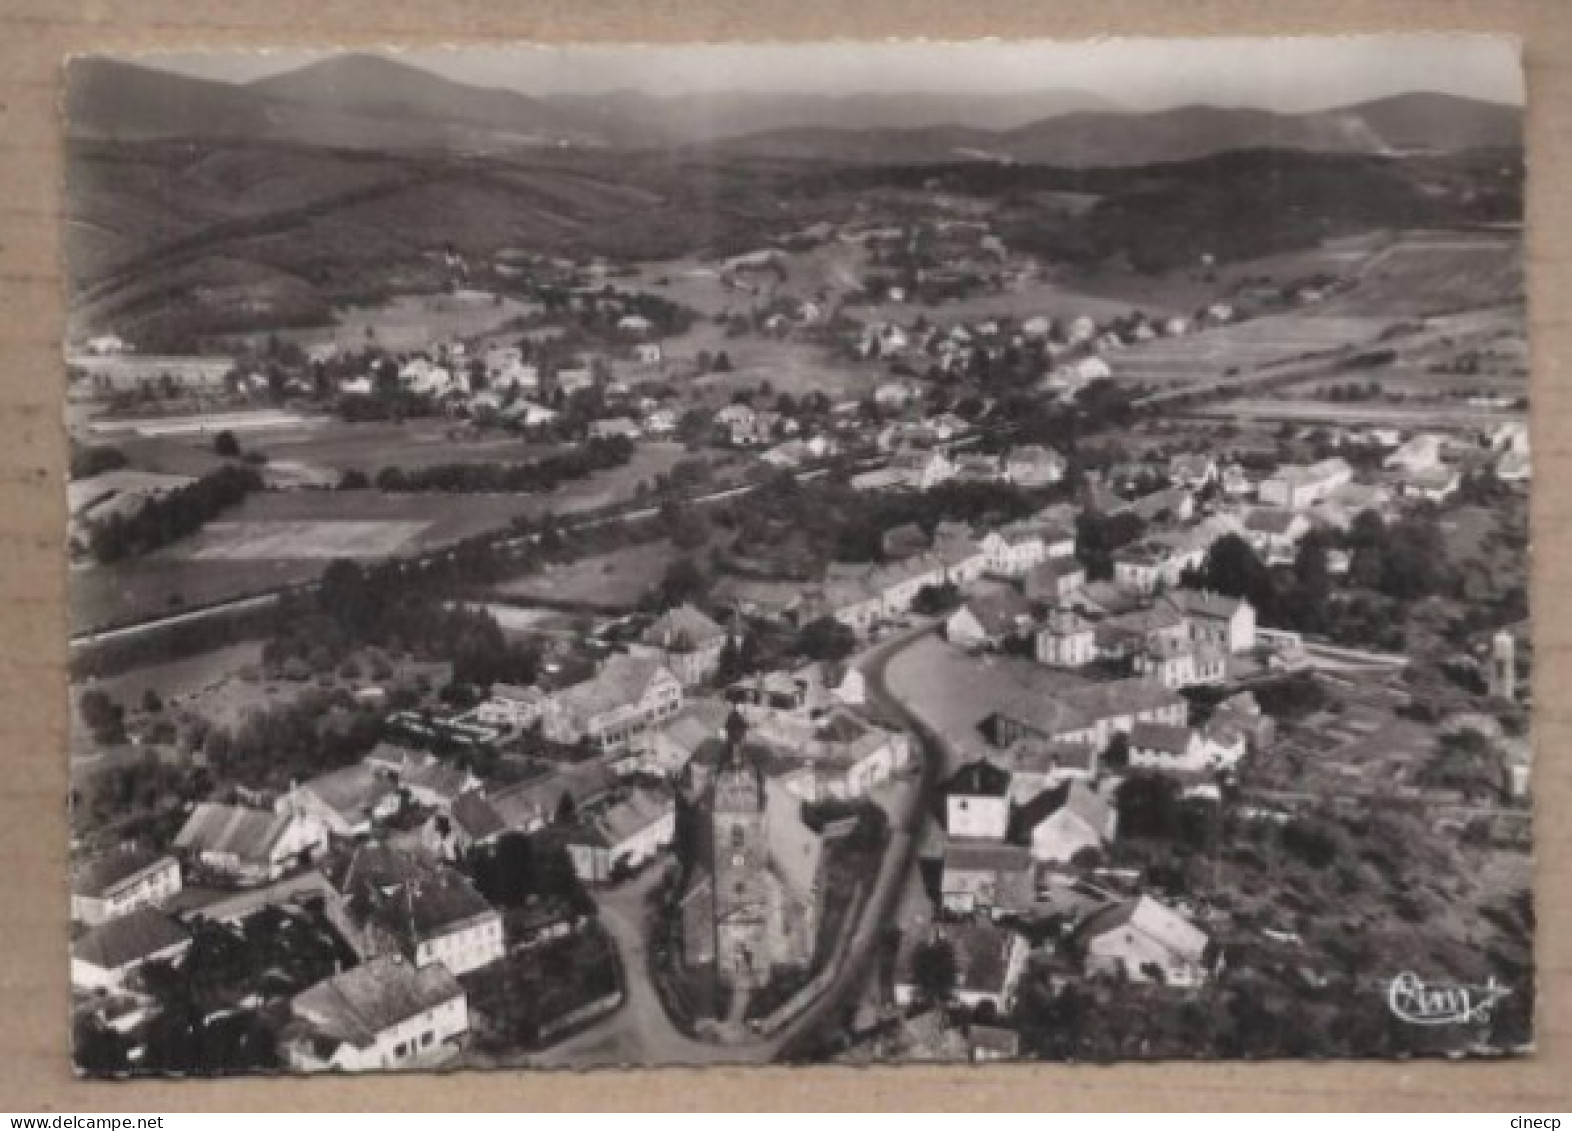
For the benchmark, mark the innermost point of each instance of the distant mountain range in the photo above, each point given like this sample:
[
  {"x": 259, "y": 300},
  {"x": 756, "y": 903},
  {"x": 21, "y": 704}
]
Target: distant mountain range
[{"x": 371, "y": 102}]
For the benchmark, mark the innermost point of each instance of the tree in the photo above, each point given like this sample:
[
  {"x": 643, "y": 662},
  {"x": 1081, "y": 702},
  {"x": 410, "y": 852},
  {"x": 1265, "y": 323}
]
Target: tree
[
  {"x": 104, "y": 717},
  {"x": 934, "y": 970},
  {"x": 826, "y": 639},
  {"x": 1148, "y": 806},
  {"x": 225, "y": 445},
  {"x": 1233, "y": 569}
]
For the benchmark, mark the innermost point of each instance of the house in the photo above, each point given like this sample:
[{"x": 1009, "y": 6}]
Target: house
[
  {"x": 988, "y": 621},
  {"x": 104, "y": 957},
  {"x": 348, "y": 802},
  {"x": 1033, "y": 465},
  {"x": 1242, "y": 713},
  {"x": 1181, "y": 663},
  {"x": 986, "y": 1044},
  {"x": 570, "y": 381},
  {"x": 1226, "y": 623},
  {"x": 437, "y": 784},
  {"x": 896, "y": 394},
  {"x": 471, "y": 822},
  {"x": 394, "y": 902},
  {"x": 978, "y": 467},
  {"x": 1297, "y": 486},
  {"x": 1037, "y": 766},
  {"x": 1142, "y": 940},
  {"x": 381, "y": 1015},
  {"x": 1013, "y": 550},
  {"x": 614, "y": 428},
  {"x": 1514, "y": 467},
  {"x": 921, "y": 469},
  {"x": 1150, "y": 564},
  {"x": 1127, "y": 635},
  {"x": 532, "y": 805},
  {"x": 688, "y": 642},
  {"x": 989, "y": 962},
  {"x": 1054, "y": 580},
  {"x": 1435, "y": 484},
  {"x": 634, "y": 324},
  {"x": 845, "y": 756},
  {"x": 1275, "y": 533},
  {"x": 1193, "y": 471},
  {"x": 987, "y": 877},
  {"x": 1091, "y": 713},
  {"x": 1236, "y": 483},
  {"x": 120, "y": 882},
  {"x": 1420, "y": 453},
  {"x": 977, "y": 801},
  {"x": 1060, "y": 823},
  {"x": 250, "y": 846},
  {"x": 661, "y": 422},
  {"x": 1175, "y": 504},
  {"x": 700, "y": 721},
  {"x": 527, "y": 414},
  {"x": 617, "y": 708},
  {"x": 1066, "y": 641},
  {"x": 510, "y": 706},
  {"x": 622, "y": 835},
  {"x": 1160, "y": 746}
]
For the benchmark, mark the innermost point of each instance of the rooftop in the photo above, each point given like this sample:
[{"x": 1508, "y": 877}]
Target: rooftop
[{"x": 358, "y": 1004}]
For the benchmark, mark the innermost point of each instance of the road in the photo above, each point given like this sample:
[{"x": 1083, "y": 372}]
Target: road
[
  {"x": 900, "y": 855},
  {"x": 639, "y": 1033}
]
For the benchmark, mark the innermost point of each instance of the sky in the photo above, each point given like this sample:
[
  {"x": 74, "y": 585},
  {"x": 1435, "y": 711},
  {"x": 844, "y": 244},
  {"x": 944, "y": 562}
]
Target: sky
[{"x": 1287, "y": 74}]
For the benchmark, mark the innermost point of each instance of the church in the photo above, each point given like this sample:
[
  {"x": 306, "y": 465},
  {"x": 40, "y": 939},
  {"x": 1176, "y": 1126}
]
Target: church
[{"x": 754, "y": 901}]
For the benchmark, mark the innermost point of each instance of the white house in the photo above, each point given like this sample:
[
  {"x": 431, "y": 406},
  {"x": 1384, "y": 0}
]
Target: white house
[
  {"x": 384, "y": 1014},
  {"x": 977, "y": 801},
  {"x": 624, "y": 834},
  {"x": 1144, "y": 941},
  {"x": 107, "y": 955},
  {"x": 1157, "y": 746},
  {"x": 616, "y": 709},
  {"x": 1059, "y": 823},
  {"x": 121, "y": 882},
  {"x": 250, "y": 846},
  {"x": 989, "y": 962},
  {"x": 1013, "y": 550},
  {"x": 1066, "y": 641},
  {"x": 511, "y": 706},
  {"x": 1299, "y": 486}
]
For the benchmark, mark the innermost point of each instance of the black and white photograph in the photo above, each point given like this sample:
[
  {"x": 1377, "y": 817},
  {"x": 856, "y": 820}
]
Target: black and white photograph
[{"x": 608, "y": 556}]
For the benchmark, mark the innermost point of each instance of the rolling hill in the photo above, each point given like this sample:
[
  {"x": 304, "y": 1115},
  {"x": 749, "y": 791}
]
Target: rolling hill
[
  {"x": 1092, "y": 139},
  {"x": 376, "y": 103}
]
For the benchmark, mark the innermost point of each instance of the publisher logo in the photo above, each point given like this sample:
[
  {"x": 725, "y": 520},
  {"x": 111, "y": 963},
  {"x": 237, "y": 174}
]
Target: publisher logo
[{"x": 1413, "y": 1001}]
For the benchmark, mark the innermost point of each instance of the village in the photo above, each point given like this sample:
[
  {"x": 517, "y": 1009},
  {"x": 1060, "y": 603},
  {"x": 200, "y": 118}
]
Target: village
[{"x": 867, "y": 641}]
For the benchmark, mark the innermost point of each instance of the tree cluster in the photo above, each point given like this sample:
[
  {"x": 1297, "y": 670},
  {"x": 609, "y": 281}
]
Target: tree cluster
[
  {"x": 535, "y": 475},
  {"x": 168, "y": 518}
]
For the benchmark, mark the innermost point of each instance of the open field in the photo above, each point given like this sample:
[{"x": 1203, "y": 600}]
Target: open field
[
  {"x": 1241, "y": 348},
  {"x": 794, "y": 367},
  {"x": 1367, "y": 414},
  {"x": 228, "y": 559},
  {"x": 338, "y": 446},
  {"x": 410, "y": 322},
  {"x": 343, "y": 538},
  {"x": 612, "y": 580},
  {"x": 205, "y": 424}
]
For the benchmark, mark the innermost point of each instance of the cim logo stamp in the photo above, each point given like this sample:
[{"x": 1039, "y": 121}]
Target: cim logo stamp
[{"x": 1413, "y": 1001}]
